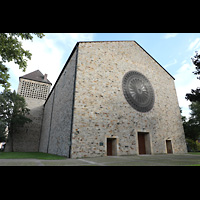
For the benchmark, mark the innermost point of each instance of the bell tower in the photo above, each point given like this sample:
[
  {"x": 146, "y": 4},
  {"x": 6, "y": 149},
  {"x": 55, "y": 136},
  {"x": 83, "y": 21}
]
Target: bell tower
[{"x": 34, "y": 87}]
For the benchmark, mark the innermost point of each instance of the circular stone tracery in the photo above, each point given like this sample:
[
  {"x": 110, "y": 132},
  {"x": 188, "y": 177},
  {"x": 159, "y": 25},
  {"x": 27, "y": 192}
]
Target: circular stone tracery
[{"x": 138, "y": 91}]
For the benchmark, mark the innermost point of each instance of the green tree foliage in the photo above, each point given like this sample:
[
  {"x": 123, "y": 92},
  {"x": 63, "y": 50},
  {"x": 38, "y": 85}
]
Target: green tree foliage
[
  {"x": 13, "y": 112},
  {"x": 192, "y": 126},
  {"x": 195, "y": 94},
  {"x": 11, "y": 50}
]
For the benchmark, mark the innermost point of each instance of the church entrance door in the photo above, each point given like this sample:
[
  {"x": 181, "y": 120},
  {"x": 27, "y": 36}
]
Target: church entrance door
[
  {"x": 144, "y": 143},
  {"x": 141, "y": 142},
  {"x": 169, "y": 146},
  {"x": 111, "y": 146}
]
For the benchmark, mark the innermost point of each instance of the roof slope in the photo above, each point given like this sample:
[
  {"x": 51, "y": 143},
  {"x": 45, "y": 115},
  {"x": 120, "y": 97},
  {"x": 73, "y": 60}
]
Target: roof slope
[{"x": 36, "y": 76}]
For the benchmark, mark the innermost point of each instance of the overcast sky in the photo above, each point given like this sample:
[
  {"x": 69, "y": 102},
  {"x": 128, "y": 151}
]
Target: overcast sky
[{"x": 172, "y": 50}]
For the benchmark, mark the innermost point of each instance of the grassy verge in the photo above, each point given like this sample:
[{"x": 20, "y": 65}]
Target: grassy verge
[
  {"x": 30, "y": 155},
  {"x": 194, "y": 153}
]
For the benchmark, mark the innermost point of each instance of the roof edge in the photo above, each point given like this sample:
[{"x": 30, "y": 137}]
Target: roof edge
[
  {"x": 76, "y": 46},
  {"x": 69, "y": 58},
  {"x": 129, "y": 41},
  {"x": 36, "y": 80},
  {"x": 30, "y": 76},
  {"x": 154, "y": 59},
  {"x": 106, "y": 41}
]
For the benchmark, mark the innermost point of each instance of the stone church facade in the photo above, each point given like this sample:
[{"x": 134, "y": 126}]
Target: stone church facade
[{"x": 111, "y": 98}]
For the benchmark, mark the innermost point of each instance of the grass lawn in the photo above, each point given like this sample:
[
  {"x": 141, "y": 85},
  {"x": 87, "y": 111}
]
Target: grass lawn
[
  {"x": 194, "y": 153},
  {"x": 30, "y": 155}
]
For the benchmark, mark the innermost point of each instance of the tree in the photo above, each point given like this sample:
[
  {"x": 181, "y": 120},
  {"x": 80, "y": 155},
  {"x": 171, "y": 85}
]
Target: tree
[
  {"x": 192, "y": 126},
  {"x": 11, "y": 49},
  {"x": 13, "y": 112},
  {"x": 194, "y": 96}
]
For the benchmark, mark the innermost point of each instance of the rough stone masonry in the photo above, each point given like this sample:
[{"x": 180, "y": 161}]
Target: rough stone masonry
[
  {"x": 112, "y": 98},
  {"x": 88, "y": 113}
]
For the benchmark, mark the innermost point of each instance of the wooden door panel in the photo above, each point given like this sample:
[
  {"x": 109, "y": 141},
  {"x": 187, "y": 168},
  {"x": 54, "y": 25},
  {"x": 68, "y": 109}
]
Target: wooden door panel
[
  {"x": 169, "y": 146},
  {"x": 141, "y": 143},
  {"x": 109, "y": 147}
]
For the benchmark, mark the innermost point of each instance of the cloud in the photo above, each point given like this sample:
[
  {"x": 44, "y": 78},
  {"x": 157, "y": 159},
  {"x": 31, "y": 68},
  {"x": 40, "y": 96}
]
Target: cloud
[
  {"x": 194, "y": 45},
  {"x": 45, "y": 57},
  {"x": 170, "y": 35},
  {"x": 170, "y": 64},
  {"x": 70, "y": 39},
  {"x": 81, "y": 36},
  {"x": 185, "y": 80},
  {"x": 49, "y": 55}
]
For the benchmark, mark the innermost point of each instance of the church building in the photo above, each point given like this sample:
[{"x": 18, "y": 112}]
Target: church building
[{"x": 111, "y": 98}]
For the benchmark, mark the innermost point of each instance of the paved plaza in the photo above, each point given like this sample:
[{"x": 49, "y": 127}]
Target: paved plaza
[{"x": 142, "y": 160}]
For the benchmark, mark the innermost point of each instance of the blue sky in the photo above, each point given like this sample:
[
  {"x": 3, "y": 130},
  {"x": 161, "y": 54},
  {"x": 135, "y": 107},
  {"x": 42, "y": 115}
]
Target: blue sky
[{"x": 172, "y": 50}]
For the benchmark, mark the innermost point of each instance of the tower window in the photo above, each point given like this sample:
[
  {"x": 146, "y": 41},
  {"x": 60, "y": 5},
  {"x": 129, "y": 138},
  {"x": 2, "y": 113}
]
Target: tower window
[{"x": 34, "y": 90}]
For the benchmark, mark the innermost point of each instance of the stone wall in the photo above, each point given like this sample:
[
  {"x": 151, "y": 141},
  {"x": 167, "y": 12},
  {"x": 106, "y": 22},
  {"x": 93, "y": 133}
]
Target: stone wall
[
  {"x": 101, "y": 110},
  {"x": 46, "y": 124},
  {"x": 78, "y": 126},
  {"x": 57, "y": 122},
  {"x": 27, "y": 139}
]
